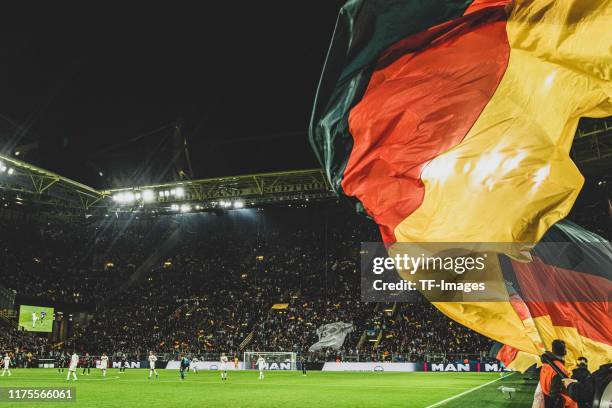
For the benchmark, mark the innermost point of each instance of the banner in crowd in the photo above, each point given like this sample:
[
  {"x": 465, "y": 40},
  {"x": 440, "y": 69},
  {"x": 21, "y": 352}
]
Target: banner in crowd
[{"x": 331, "y": 335}]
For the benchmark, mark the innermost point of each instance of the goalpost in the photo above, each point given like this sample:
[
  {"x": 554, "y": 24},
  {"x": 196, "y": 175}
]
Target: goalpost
[{"x": 275, "y": 360}]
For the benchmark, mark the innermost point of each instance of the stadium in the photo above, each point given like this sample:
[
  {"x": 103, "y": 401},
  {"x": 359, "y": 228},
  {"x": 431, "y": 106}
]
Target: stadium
[{"x": 349, "y": 204}]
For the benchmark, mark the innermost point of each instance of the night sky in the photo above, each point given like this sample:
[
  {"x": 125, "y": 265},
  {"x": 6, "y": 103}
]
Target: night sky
[{"x": 240, "y": 78}]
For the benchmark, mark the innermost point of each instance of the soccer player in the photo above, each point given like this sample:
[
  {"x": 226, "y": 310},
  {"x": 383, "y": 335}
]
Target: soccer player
[
  {"x": 235, "y": 361},
  {"x": 152, "y": 360},
  {"x": 103, "y": 364},
  {"x": 303, "y": 365},
  {"x": 87, "y": 363},
  {"x": 184, "y": 366},
  {"x": 61, "y": 362},
  {"x": 261, "y": 364},
  {"x": 74, "y": 362},
  {"x": 223, "y": 367},
  {"x": 193, "y": 365},
  {"x": 6, "y": 366},
  {"x": 34, "y": 319},
  {"x": 123, "y": 364}
]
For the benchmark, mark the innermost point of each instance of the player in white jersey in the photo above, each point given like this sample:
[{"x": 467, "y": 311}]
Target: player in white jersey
[
  {"x": 74, "y": 362},
  {"x": 6, "y": 366},
  {"x": 34, "y": 319},
  {"x": 193, "y": 365},
  {"x": 261, "y": 364},
  {"x": 223, "y": 367},
  {"x": 152, "y": 360},
  {"x": 103, "y": 364}
]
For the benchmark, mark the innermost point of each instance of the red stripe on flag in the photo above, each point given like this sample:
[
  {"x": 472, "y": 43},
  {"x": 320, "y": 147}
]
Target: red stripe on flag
[
  {"x": 506, "y": 354},
  {"x": 570, "y": 298}
]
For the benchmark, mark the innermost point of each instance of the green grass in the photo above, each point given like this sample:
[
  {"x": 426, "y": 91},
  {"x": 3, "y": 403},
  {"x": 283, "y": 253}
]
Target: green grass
[{"x": 278, "y": 389}]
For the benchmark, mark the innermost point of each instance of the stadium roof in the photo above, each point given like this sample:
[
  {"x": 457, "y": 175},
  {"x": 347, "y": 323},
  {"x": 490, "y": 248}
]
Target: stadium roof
[{"x": 24, "y": 184}]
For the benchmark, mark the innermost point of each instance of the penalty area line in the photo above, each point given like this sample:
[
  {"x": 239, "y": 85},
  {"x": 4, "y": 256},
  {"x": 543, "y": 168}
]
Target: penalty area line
[{"x": 444, "y": 401}]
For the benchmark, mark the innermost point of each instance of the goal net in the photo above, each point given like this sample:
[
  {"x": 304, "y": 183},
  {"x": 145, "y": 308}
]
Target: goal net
[{"x": 276, "y": 360}]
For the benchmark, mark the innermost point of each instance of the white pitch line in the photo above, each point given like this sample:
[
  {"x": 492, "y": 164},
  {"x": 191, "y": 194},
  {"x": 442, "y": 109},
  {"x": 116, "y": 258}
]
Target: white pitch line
[{"x": 444, "y": 401}]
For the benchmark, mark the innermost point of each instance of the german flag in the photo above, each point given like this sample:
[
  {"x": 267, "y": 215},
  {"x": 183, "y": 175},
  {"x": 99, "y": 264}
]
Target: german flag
[
  {"x": 452, "y": 120},
  {"x": 562, "y": 292}
]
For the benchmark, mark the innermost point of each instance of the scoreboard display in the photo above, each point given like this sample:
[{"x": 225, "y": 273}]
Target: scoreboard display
[{"x": 36, "y": 318}]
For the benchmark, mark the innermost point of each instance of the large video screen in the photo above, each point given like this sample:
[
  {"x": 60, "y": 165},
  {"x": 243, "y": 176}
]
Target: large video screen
[{"x": 36, "y": 318}]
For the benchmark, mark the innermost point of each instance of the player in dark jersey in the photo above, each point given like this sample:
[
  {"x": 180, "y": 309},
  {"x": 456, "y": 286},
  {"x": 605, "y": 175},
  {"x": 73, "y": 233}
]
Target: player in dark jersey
[
  {"x": 61, "y": 363},
  {"x": 303, "y": 361},
  {"x": 184, "y": 366},
  {"x": 87, "y": 363},
  {"x": 123, "y": 364}
]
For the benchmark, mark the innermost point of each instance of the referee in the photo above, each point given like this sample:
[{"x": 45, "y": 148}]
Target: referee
[{"x": 303, "y": 361}]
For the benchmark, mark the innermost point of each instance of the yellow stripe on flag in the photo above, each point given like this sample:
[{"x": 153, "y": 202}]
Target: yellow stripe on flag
[{"x": 511, "y": 178}]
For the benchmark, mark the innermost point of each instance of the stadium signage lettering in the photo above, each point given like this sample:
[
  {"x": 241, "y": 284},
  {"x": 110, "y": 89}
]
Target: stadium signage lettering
[
  {"x": 276, "y": 188},
  {"x": 450, "y": 367},
  {"x": 130, "y": 364},
  {"x": 278, "y": 366},
  {"x": 494, "y": 367}
]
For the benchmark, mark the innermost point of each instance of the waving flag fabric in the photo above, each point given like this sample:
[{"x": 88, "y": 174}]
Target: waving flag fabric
[
  {"x": 452, "y": 121},
  {"x": 563, "y": 292},
  {"x": 445, "y": 118}
]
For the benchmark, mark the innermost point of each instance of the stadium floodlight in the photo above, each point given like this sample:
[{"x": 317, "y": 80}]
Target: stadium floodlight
[
  {"x": 185, "y": 208},
  {"x": 174, "y": 207},
  {"x": 118, "y": 197},
  {"x": 238, "y": 204},
  {"x": 2, "y": 167},
  {"x": 225, "y": 203},
  {"x": 161, "y": 193},
  {"x": 148, "y": 196},
  {"x": 11, "y": 171},
  {"x": 129, "y": 197},
  {"x": 179, "y": 192},
  {"x": 166, "y": 193},
  {"x": 137, "y": 196}
]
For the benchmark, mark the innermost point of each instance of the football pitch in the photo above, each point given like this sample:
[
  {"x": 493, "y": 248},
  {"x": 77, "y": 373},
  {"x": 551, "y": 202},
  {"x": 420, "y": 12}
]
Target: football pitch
[{"x": 278, "y": 389}]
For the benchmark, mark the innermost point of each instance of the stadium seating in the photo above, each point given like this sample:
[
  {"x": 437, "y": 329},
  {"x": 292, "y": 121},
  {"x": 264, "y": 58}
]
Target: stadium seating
[{"x": 170, "y": 286}]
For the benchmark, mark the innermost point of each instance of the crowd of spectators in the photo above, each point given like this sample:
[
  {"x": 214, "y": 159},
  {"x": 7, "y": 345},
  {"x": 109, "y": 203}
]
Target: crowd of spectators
[
  {"x": 437, "y": 333},
  {"x": 208, "y": 284},
  {"x": 24, "y": 348}
]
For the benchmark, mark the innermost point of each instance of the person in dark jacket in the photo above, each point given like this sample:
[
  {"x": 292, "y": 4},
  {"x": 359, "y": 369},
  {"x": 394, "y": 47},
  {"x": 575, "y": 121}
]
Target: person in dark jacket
[
  {"x": 581, "y": 371},
  {"x": 583, "y": 394},
  {"x": 584, "y": 390}
]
